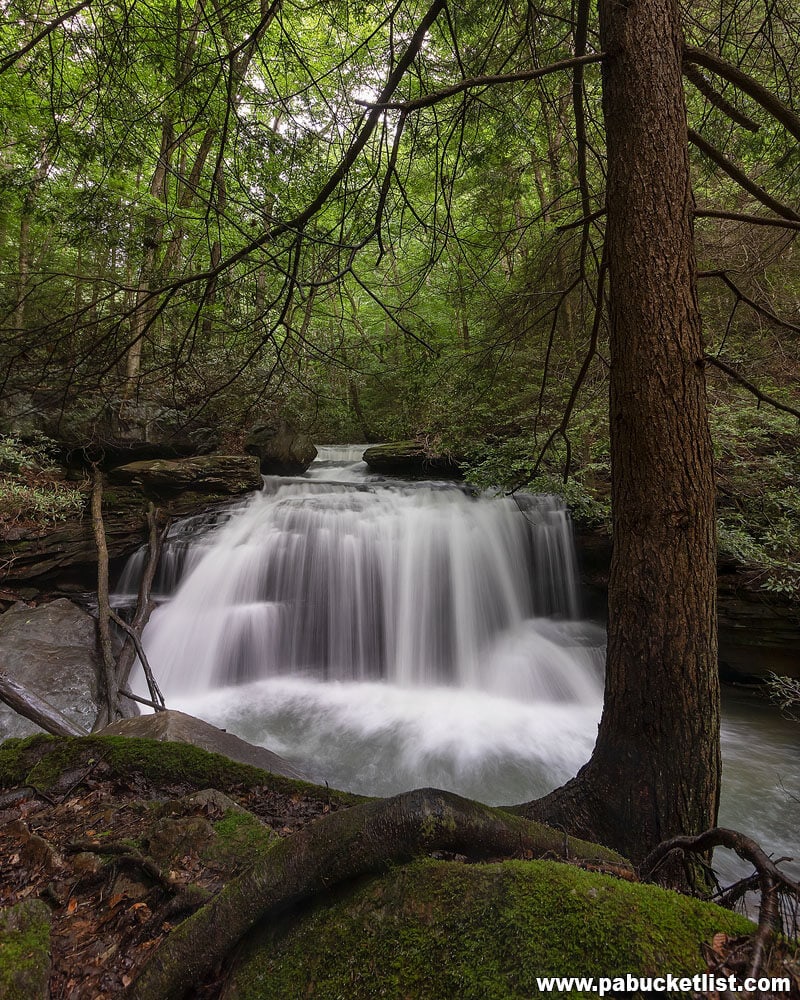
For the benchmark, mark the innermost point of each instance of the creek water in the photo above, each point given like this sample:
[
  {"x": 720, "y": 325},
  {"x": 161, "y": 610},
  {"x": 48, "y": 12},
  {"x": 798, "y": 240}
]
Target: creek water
[{"x": 387, "y": 635}]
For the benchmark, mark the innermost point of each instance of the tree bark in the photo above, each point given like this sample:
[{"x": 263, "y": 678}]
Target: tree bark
[
  {"x": 655, "y": 768},
  {"x": 111, "y": 707}
]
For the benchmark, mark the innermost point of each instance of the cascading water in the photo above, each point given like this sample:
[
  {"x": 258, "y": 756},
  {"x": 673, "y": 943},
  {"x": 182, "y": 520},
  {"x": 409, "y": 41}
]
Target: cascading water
[
  {"x": 415, "y": 585},
  {"x": 387, "y": 635}
]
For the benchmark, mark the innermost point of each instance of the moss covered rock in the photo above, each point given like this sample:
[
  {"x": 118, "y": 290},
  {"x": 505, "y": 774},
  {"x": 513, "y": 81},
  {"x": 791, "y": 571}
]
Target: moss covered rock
[
  {"x": 438, "y": 930},
  {"x": 25, "y": 951},
  {"x": 46, "y": 762}
]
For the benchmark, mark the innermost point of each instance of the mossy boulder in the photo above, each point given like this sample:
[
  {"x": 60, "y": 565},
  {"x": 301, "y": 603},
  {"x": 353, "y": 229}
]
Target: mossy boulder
[
  {"x": 280, "y": 449},
  {"x": 25, "y": 951},
  {"x": 440, "y": 930},
  {"x": 45, "y": 762},
  {"x": 177, "y": 727}
]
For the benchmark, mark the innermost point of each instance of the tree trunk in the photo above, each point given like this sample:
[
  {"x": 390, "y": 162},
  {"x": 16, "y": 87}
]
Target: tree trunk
[{"x": 656, "y": 766}]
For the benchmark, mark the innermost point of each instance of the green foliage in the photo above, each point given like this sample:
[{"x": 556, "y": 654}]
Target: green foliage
[
  {"x": 35, "y": 453},
  {"x": 28, "y": 490},
  {"x": 758, "y": 468},
  {"x": 785, "y": 692}
]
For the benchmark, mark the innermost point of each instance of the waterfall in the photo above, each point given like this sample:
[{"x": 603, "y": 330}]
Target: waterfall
[
  {"x": 386, "y": 635},
  {"x": 360, "y": 579}
]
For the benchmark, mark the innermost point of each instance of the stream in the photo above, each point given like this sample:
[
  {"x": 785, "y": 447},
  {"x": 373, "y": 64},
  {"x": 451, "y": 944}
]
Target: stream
[{"x": 386, "y": 635}]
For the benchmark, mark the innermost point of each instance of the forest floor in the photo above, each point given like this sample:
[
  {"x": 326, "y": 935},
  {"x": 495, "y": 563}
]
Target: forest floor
[
  {"x": 120, "y": 857},
  {"x": 122, "y": 839}
]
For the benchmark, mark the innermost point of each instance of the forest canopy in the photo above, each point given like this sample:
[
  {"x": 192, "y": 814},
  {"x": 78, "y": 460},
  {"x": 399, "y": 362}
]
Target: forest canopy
[{"x": 383, "y": 222}]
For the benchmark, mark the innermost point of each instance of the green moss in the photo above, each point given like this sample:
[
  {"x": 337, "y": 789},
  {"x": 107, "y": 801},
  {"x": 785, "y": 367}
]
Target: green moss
[
  {"x": 477, "y": 932},
  {"x": 42, "y": 760},
  {"x": 25, "y": 951},
  {"x": 240, "y": 840}
]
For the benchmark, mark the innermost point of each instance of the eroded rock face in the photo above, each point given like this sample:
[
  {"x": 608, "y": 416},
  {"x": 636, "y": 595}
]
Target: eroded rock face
[
  {"x": 53, "y": 650},
  {"x": 93, "y": 430},
  {"x": 280, "y": 449},
  {"x": 231, "y": 474},
  {"x": 180, "y": 728}
]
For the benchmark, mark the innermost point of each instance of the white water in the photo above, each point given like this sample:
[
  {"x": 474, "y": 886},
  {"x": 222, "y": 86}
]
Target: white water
[{"x": 387, "y": 635}]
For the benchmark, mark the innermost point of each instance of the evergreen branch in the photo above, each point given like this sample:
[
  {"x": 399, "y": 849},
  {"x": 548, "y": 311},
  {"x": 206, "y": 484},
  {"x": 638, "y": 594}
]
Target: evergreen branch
[
  {"x": 713, "y": 96},
  {"x": 482, "y": 81},
  {"x": 752, "y": 220}
]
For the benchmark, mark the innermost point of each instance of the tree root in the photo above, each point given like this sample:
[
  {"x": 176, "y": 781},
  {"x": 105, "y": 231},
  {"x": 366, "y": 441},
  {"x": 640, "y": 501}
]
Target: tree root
[
  {"x": 126, "y": 857},
  {"x": 771, "y": 880},
  {"x": 341, "y": 846}
]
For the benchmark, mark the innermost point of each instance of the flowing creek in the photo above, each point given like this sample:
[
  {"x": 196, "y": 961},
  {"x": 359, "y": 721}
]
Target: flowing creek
[{"x": 387, "y": 635}]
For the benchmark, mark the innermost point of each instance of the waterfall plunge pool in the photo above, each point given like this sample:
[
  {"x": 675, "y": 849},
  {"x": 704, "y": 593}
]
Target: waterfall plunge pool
[{"x": 386, "y": 635}]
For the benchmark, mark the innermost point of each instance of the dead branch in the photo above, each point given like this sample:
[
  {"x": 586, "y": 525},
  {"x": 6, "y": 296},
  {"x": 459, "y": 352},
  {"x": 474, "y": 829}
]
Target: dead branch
[
  {"x": 341, "y": 846},
  {"x": 721, "y": 67},
  {"x": 110, "y": 709},
  {"x": 751, "y": 220},
  {"x": 762, "y": 397},
  {"x": 141, "y": 701},
  {"x": 741, "y": 178},
  {"x": 152, "y": 685},
  {"x": 144, "y": 604},
  {"x": 755, "y": 306},
  {"x": 714, "y": 97},
  {"x": 482, "y": 81},
  {"x": 28, "y": 703}
]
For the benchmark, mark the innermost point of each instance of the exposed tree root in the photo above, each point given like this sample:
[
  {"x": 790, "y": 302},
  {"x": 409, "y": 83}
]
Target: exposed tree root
[
  {"x": 342, "y": 846},
  {"x": 126, "y": 857},
  {"x": 771, "y": 880}
]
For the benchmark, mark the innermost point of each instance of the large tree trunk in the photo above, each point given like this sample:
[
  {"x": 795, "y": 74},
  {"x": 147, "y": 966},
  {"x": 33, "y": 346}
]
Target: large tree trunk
[{"x": 656, "y": 766}]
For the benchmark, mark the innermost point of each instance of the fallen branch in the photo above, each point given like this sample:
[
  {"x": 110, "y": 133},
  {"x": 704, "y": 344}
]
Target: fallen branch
[
  {"x": 141, "y": 701},
  {"x": 155, "y": 691},
  {"x": 363, "y": 840},
  {"x": 28, "y": 703}
]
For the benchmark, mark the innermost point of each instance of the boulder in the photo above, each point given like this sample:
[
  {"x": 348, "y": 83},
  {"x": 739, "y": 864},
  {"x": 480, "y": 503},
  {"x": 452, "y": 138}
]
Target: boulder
[
  {"x": 176, "y": 727},
  {"x": 280, "y": 449},
  {"x": 759, "y": 632},
  {"x": 231, "y": 474},
  {"x": 52, "y": 650},
  {"x": 410, "y": 458}
]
